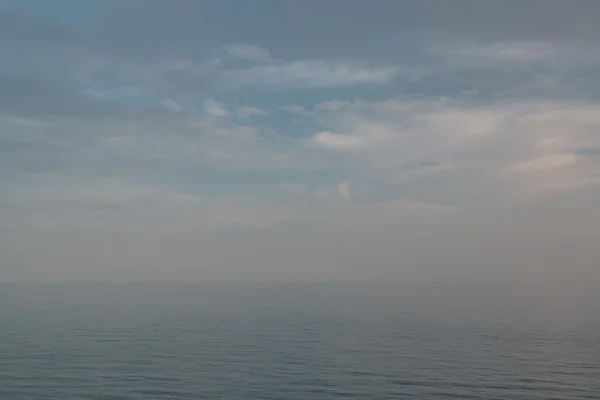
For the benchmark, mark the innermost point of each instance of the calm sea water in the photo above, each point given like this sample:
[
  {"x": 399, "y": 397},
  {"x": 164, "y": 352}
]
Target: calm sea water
[{"x": 298, "y": 341}]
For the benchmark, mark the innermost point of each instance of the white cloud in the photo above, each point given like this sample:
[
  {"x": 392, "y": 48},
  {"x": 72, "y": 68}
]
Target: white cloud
[
  {"x": 116, "y": 205},
  {"x": 558, "y": 67},
  {"x": 337, "y": 141},
  {"x": 247, "y": 112},
  {"x": 206, "y": 180},
  {"x": 360, "y": 215},
  {"x": 171, "y": 105},
  {"x": 343, "y": 190},
  {"x": 215, "y": 108},
  {"x": 315, "y": 74},
  {"x": 516, "y": 147},
  {"x": 126, "y": 206},
  {"x": 295, "y": 109},
  {"x": 535, "y": 141},
  {"x": 105, "y": 192},
  {"x": 332, "y": 105},
  {"x": 22, "y": 122},
  {"x": 469, "y": 123},
  {"x": 403, "y": 208},
  {"x": 406, "y": 128},
  {"x": 200, "y": 140},
  {"x": 294, "y": 189},
  {"x": 517, "y": 51},
  {"x": 505, "y": 149},
  {"x": 119, "y": 92},
  {"x": 248, "y": 52},
  {"x": 181, "y": 74},
  {"x": 543, "y": 163}
]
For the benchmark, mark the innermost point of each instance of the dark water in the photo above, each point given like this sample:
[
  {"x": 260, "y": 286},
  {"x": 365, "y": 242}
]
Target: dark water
[{"x": 298, "y": 341}]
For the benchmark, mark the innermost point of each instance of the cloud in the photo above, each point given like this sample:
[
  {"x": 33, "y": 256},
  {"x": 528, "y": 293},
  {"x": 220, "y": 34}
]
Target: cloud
[
  {"x": 172, "y": 105},
  {"x": 531, "y": 140},
  {"x": 498, "y": 52},
  {"x": 178, "y": 76},
  {"x": 118, "y": 205},
  {"x": 23, "y": 157},
  {"x": 351, "y": 128},
  {"x": 215, "y": 108},
  {"x": 248, "y": 112},
  {"x": 27, "y": 98},
  {"x": 337, "y": 205},
  {"x": 543, "y": 163},
  {"x": 401, "y": 209},
  {"x": 315, "y": 74},
  {"x": 248, "y": 52},
  {"x": 336, "y": 141},
  {"x": 22, "y": 122},
  {"x": 343, "y": 190},
  {"x": 295, "y": 109}
]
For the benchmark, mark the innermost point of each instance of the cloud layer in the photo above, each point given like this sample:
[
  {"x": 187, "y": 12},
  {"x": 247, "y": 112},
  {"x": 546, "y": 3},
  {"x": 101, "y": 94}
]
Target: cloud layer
[{"x": 294, "y": 141}]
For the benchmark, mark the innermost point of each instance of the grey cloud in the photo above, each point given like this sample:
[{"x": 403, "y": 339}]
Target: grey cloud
[
  {"x": 17, "y": 158},
  {"x": 588, "y": 152},
  {"x": 166, "y": 47},
  {"x": 19, "y": 28},
  {"x": 345, "y": 27},
  {"x": 27, "y": 97},
  {"x": 80, "y": 104}
]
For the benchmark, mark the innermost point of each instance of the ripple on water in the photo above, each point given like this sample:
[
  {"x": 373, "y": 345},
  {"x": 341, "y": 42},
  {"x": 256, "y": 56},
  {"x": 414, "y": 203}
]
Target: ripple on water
[{"x": 270, "y": 343}]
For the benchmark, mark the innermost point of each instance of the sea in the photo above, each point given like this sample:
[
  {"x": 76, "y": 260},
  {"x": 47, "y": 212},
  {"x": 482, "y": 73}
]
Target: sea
[{"x": 299, "y": 341}]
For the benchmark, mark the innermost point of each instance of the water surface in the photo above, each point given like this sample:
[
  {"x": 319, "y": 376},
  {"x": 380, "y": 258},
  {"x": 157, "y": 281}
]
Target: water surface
[{"x": 298, "y": 341}]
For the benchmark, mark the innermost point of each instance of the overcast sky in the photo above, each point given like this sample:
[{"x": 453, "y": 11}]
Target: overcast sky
[{"x": 303, "y": 140}]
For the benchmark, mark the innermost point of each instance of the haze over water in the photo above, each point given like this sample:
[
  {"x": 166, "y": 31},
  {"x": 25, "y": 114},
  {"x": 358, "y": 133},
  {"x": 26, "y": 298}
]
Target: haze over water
[{"x": 297, "y": 341}]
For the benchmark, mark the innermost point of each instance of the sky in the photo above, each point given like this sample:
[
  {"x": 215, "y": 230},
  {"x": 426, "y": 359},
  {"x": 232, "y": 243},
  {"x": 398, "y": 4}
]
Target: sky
[{"x": 314, "y": 140}]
